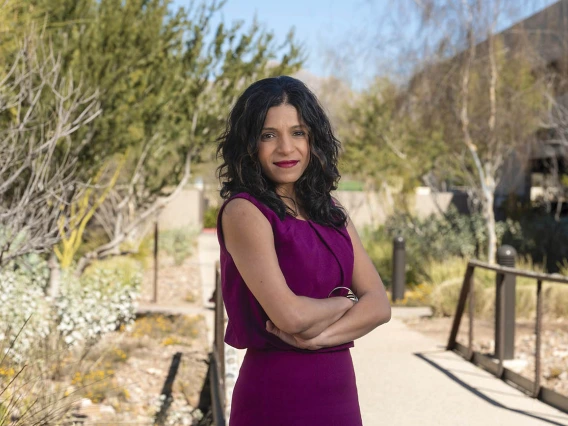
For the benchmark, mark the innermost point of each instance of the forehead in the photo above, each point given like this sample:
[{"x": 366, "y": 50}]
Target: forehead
[{"x": 282, "y": 115}]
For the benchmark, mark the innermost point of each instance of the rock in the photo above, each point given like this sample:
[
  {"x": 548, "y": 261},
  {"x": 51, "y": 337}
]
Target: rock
[
  {"x": 86, "y": 402},
  {"x": 154, "y": 372},
  {"x": 106, "y": 409},
  {"x": 113, "y": 402}
]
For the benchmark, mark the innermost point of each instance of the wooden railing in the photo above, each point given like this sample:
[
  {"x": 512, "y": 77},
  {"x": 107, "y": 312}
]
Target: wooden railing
[
  {"x": 217, "y": 358},
  {"x": 533, "y": 388}
]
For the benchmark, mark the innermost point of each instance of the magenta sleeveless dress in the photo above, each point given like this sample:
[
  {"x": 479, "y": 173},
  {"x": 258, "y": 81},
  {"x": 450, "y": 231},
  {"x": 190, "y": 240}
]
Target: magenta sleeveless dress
[{"x": 278, "y": 384}]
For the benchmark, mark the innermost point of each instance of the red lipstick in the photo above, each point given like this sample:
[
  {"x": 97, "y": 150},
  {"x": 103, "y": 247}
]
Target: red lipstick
[{"x": 286, "y": 164}]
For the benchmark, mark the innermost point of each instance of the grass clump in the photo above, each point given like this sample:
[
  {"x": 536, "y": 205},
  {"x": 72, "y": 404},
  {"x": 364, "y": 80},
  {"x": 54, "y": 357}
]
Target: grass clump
[
  {"x": 170, "y": 330},
  {"x": 178, "y": 243},
  {"x": 99, "y": 385}
]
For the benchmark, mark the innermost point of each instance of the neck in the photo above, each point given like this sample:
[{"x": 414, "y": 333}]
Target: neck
[
  {"x": 286, "y": 191},
  {"x": 288, "y": 196}
]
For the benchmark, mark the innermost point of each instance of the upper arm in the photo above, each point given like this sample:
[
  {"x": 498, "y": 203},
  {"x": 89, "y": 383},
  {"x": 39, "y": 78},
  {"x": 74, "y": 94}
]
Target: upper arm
[
  {"x": 365, "y": 275},
  {"x": 366, "y": 279},
  {"x": 249, "y": 239}
]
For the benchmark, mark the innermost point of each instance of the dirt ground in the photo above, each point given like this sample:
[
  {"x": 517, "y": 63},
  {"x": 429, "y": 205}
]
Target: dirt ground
[
  {"x": 554, "y": 344},
  {"x": 127, "y": 371}
]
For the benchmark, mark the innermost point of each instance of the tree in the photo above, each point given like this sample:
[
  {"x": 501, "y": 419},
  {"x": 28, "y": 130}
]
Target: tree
[
  {"x": 42, "y": 110},
  {"x": 166, "y": 81},
  {"x": 485, "y": 92},
  {"x": 382, "y": 144}
]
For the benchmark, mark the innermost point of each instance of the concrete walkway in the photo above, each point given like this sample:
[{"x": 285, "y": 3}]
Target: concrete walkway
[
  {"x": 405, "y": 378},
  {"x": 208, "y": 255}
]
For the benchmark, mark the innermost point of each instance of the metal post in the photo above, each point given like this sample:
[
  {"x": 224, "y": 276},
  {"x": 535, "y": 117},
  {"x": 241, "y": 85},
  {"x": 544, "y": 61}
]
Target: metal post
[
  {"x": 155, "y": 295},
  {"x": 505, "y": 305},
  {"x": 471, "y": 316},
  {"x": 398, "y": 269},
  {"x": 538, "y": 330}
]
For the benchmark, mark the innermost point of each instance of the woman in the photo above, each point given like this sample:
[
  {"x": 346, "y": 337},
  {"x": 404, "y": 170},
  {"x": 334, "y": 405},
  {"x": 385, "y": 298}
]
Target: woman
[{"x": 285, "y": 246}]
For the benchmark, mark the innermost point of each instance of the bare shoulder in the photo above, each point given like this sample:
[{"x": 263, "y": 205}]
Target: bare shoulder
[
  {"x": 242, "y": 222},
  {"x": 239, "y": 207}
]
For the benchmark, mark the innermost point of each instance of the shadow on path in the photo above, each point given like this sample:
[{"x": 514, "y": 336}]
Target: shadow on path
[{"x": 479, "y": 394}]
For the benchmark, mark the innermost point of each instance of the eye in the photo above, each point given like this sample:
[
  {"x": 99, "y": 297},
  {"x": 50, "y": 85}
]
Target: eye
[
  {"x": 265, "y": 136},
  {"x": 300, "y": 133}
]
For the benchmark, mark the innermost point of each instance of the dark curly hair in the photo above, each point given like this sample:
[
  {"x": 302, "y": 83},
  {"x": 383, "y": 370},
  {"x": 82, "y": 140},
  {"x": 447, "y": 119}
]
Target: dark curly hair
[{"x": 238, "y": 147}]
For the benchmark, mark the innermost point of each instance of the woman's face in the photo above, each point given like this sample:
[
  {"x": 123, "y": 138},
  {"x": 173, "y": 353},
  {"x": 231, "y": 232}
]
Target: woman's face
[{"x": 284, "y": 149}]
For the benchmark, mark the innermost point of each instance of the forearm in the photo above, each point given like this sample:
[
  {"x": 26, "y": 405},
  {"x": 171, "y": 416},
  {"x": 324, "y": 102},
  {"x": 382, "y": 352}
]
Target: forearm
[
  {"x": 318, "y": 314},
  {"x": 367, "y": 314}
]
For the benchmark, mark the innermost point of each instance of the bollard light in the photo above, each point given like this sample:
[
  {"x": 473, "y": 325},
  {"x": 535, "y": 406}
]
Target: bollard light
[
  {"x": 398, "y": 268},
  {"x": 505, "y": 305}
]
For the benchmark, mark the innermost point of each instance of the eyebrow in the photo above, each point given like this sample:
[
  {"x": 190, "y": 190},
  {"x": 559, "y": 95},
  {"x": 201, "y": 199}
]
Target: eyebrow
[{"x": 297, "y": 126}]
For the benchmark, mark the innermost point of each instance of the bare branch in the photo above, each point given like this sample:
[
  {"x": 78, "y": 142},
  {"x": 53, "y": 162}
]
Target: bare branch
[
  {"x": 121, "y": 234},
  {"x": 37, "y": 165}
]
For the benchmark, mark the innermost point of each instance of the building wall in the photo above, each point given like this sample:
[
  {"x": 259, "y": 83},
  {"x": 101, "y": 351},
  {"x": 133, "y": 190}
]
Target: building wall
[
  {"x": 185, "y": 210},
  {"x": 372, "y": 209},
  {"x": 364, "y": 208}
]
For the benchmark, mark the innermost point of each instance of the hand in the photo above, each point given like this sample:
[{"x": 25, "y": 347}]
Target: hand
[{"x": 293, "y": 339}]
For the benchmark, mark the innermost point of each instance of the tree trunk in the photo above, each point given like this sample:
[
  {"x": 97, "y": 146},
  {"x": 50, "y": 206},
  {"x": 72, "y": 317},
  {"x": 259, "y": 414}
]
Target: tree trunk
[{"x": 489, "y": 213}]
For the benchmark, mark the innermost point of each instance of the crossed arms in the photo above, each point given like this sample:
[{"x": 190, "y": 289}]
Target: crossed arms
[{"x": 301, "y": 321}]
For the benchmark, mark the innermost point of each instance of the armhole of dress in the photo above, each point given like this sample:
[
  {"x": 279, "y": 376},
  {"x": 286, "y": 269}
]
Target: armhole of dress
[{"x": 247, "y": 197}]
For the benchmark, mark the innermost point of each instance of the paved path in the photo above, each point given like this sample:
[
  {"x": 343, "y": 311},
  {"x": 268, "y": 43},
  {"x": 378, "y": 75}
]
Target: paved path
[
  {"x": 405, "y": 378},
  {"x": 208, "y": 254}
]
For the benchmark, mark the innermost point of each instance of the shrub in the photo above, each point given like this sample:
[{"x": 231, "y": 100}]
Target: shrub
[
  {"x": 98, "y": 302},
  {"x": 31, "y": 356},
  {"x": 180, "y": 328},
  {"x": 178, "y": 243},
  {"x": 28, "y": 396},
  {"x": 98, "y": 385},
  {"x": 539, "y": 236},
  {"x": 210, "y": 217},
  {"x": 433, "y": 239},
  {"x": 447, "y": 278},
  {"x": 22, "y": 301}
]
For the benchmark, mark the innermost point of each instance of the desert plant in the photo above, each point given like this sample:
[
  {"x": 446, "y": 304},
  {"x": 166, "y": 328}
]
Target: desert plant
[
  {"x": 447, "y": 278},
  {"x": 179, "y": 243},
  {"x": 22, "y": 301},
  {"x": 210, "y": 217},
  {"x": 98, "y": 302},
  {"x": 28, "y": 395}
]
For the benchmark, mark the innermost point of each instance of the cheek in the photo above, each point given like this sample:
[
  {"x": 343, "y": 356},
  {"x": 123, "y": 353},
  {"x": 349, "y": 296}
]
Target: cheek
[{"x": 262, "y": 154}]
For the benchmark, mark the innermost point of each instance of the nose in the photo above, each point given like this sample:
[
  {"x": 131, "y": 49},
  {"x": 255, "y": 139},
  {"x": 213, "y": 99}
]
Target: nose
[{"x": 286, "y": 145}]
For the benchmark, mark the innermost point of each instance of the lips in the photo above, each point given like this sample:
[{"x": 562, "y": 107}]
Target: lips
[{"x": 286, "y": 164}]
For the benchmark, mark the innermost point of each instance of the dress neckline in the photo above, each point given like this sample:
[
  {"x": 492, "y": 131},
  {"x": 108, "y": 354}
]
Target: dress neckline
[{"x": 296, "y": 219}]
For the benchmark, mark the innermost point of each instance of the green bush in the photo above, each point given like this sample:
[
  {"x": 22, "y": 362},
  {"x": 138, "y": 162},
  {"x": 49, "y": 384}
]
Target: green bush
[
  {"x": 99, "y": 301},
  {"x": 539, "y": 236},
  {"x": 210, "y": 217},
  {"x": 178, "y": 243},
  {"x": 432, "y": 239}
]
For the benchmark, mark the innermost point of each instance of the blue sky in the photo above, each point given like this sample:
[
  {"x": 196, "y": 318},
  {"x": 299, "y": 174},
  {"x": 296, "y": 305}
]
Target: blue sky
[
  {"x": 353, "y": 39},
  {"x": 320, "y": 25}
]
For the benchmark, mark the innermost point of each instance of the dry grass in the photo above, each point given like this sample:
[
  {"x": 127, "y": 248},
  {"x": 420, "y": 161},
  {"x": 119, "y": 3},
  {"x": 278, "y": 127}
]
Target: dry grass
[
  {"x": 48, "y": 386},
  {"x": 442, "y": 291},
  {"x": 30, "y": 392}
]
